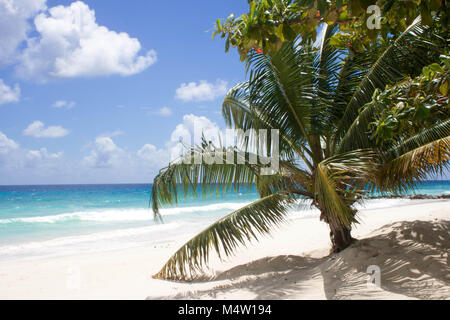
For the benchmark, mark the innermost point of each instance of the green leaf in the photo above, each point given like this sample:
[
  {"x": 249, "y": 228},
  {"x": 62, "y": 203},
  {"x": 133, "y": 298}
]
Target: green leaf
[
  {"x": 288, "y": 33},
  {"x": 227, "y": 44},
  {"x": 436, "y": 68},
  {"x": 444, "y": 88},
  {"x": 337, "y": 42},
  {"x": 422, "y": 113}
]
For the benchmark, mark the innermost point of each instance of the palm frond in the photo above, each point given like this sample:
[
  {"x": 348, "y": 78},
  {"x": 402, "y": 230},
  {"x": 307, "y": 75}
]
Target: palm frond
[
  {"x": 317, "y": 99},
  {"x": 190, "y": 175},
  {"x": 357, "y": 135},
  {"x": 407, "y": 170},
  {"x": 289, "y": 179},
  {"x": 437, "y": 132},
  {"x": 240, "y": 112},
  {"x": 281, "y": 85},
  {"x": 339, "y": 181},
  {"x": 327, "y": 66},
  {"x": 353, "y": 68},
  {"x": 225, "y": 235}
]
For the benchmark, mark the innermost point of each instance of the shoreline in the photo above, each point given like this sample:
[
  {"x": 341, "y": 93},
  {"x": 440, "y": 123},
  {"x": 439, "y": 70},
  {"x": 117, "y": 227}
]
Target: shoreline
[
  {"x": 419, "y": 196},
  {"x": 126, "y": 273},
  {"x": 295, "y": 215}
]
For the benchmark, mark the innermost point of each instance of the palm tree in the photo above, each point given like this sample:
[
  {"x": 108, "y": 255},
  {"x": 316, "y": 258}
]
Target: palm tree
[{"x": 315, "y": 96}]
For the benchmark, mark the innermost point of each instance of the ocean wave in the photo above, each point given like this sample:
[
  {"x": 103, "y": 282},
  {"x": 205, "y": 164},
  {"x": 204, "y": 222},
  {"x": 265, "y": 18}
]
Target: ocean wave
[
  {"x": 122, "y": 215},
  {"x": 90, "y": 240},
  {"x": 136, "y": 214}
]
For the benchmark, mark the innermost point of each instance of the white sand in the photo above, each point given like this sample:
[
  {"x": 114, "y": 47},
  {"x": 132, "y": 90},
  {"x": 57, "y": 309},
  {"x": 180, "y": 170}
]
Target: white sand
[{"x": 412, "y": 251}]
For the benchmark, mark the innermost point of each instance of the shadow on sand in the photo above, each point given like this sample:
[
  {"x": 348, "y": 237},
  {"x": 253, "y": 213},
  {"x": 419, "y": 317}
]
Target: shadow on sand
[{"x": 413, "y": 258}]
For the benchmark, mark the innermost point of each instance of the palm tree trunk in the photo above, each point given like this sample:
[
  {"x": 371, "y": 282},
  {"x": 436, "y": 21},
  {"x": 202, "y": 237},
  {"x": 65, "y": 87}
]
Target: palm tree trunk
[{"x": 340, "y": 234}]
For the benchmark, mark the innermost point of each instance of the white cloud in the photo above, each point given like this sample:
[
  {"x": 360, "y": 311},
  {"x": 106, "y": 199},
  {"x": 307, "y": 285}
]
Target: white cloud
[
  {"x": 38, "y": 130},
  {"x": 6, "y": 144},
  {"x": 20, "y": 163},
  {"x": 203, "y": 91},
  {"x": 165, "y": 112},
  {"x": 189, "y": 132},
  {"x": 43, "y": 154},
  {"x": 148, "y": 160},
  {"x": 9, "y": 94},
  {"x": 153, "y": 157},
  {"x": 118, "y": 163},
  {"x": 63, "y": 104},
  {"x": 15, "y": 25},
  {"x": 41, "y": 158},
  {"x": 104, "y": 161},
  {"x": 72, "y": 44},
  {"x": 105, "y": 153}
]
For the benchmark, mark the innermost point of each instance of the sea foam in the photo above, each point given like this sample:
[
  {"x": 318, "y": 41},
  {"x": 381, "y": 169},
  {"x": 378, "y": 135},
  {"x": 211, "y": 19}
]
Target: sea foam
[{"x": 117, "y": 215}]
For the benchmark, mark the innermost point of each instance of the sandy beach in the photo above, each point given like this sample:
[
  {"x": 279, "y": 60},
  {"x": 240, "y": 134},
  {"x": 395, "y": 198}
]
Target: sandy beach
[{"x": 409, "y": 243}]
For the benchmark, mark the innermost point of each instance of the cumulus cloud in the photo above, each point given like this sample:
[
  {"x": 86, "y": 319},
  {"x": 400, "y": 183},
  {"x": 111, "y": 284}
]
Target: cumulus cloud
[
  {"x": 37, "y": 129},
  {"x": 202, "y": 91},
  {"x": 103, "y": 160},
  {"x": 104, "y": 153},
  {"x": 7, "y": 144},
  {"x": 41, "y": 158},
  {"x": 63, "y": 104},
  {"x": 43, "y": 154},
  {"x": 70, "y": 43},
  {"x": 189, "y": 132},
  {"x": 16, "y": 162},
  {"x": 152, "y": 156},
  {"x": 105, "y": 163},
  {"x": 14, "y": 25},
  {"x": 9, "y": 94}
]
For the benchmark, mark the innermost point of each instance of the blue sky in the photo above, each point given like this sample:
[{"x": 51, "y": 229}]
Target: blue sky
[
  {"x": 70, "y": 116},
  {"x": 102, "y": 91}
]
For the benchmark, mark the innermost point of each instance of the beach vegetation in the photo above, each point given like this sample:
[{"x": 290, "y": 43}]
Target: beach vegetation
[{"x": 333, "y": 108}]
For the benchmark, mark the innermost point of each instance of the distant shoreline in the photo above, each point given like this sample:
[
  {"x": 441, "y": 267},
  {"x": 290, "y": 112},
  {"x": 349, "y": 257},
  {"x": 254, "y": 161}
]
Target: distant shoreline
[
  {"x": 411, "y": 196},
  {"x": 132, "y": 184}
]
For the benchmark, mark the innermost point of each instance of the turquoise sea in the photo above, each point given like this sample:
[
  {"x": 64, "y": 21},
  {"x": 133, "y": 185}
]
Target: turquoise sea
[{"x": 62, "y": 219}]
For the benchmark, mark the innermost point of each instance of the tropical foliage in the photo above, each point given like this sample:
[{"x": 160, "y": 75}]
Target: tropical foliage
[
  {"x": 319, "y": 97},
  {"x": 412, "y": 105},
  {"x": 269, "y": 23}
]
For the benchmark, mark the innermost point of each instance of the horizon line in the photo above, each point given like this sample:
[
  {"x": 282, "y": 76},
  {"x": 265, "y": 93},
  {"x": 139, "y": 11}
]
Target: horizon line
[{"x": 121, "y": 183}]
